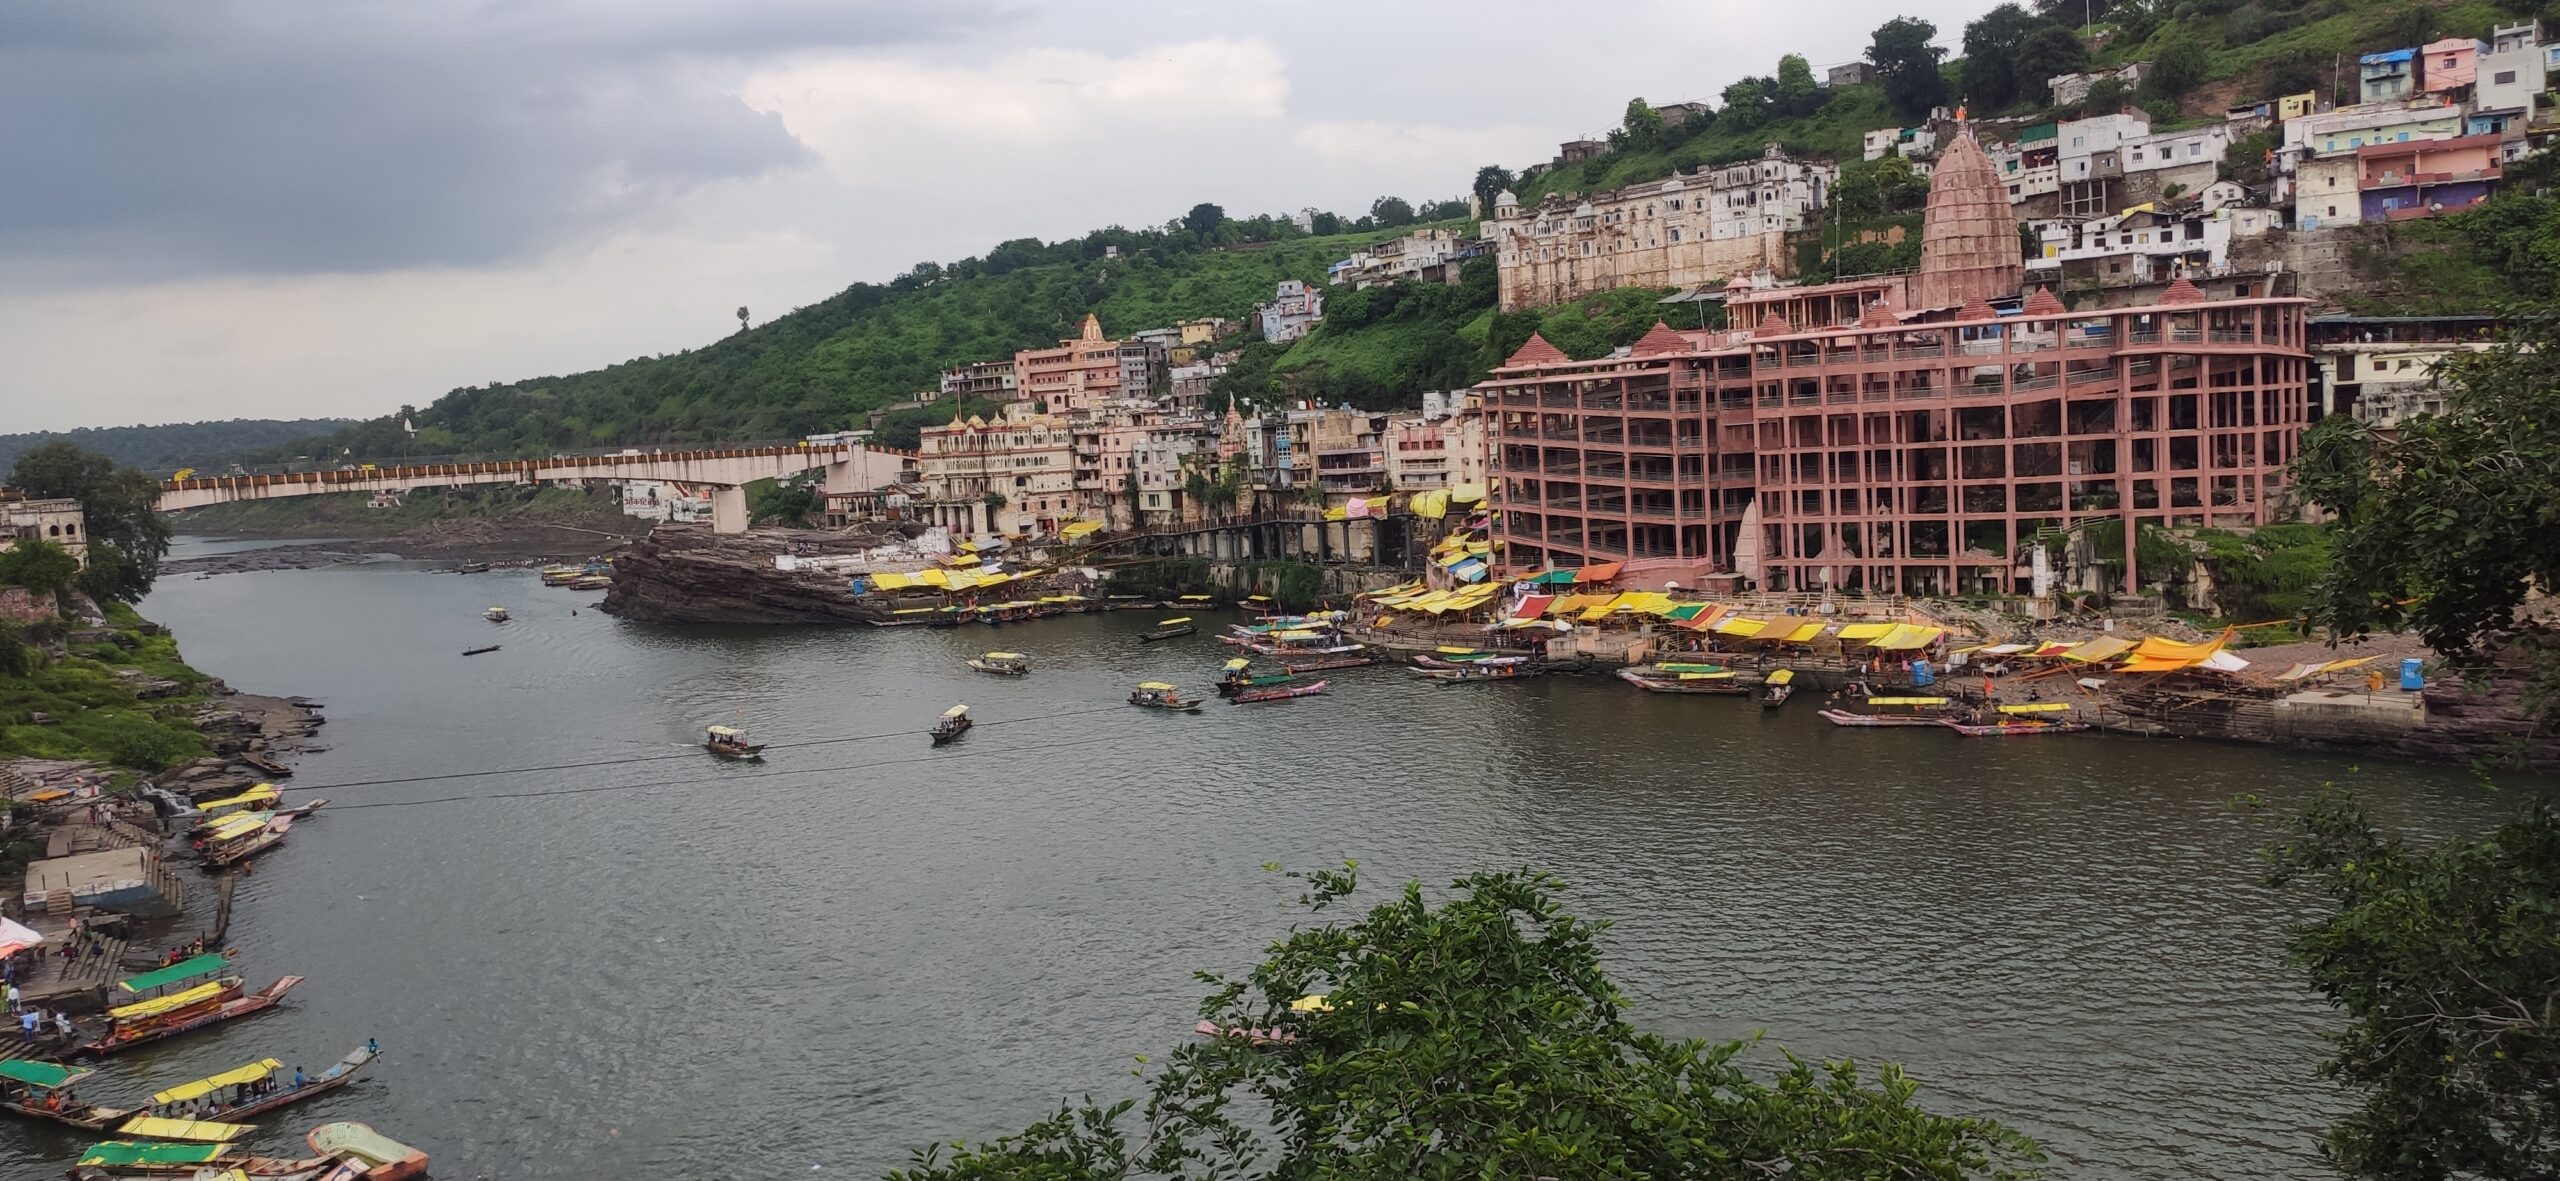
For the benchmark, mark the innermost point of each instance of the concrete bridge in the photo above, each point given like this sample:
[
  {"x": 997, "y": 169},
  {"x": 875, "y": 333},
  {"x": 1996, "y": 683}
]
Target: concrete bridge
[{"x": 850, "y": 467}]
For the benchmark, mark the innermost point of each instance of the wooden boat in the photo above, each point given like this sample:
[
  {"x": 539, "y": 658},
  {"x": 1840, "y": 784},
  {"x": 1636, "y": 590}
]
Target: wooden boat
[
  {"x": 1159, "y": 695},
  {"x": 166, "y": 1017},
  {"x": 559, "y": 575},
  {"x": 479, "y": 651},
  {"x": 1179, "y": 625},
  {"x": 591, "y": 582},
  {"x": 1676, "y": 678},
  {"x": 730, "y": 742},
  {"x": 214, "y": 811},
  {"x": 1278, "y": 693},
  {"x": 1003, "y": 664},
  {"x": 226, "y": 854},
  {"x": 1259, "y": 1037},
  {"x": 905, "y": 617},
  {"x": 1317, "y": 664},
  {"x": 1890, "y": 712},
  {"x": 1778, "y": 686},
  {"x": 947, "y": 617},
  {"x": 285, "y": 1094},
  {"x": 2021, "y": 720},
  {"x": 43, "y": 1091},
  {"x": 472, "y": 568},
  {"x": 1238, "y": 676},
  {"x": 955, "y": 722},
  {"x": 495, "y": 615},
  {"x": 48, "y": 1077},
  {"x": 345, "y": 1151},
  {"x": 1501, "y": 668}
]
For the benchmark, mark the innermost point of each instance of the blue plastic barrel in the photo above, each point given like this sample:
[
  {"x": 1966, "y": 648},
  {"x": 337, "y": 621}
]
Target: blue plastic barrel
[
  {"x": 1920, "y": 674},
  {"x": 2412, "y": 678}
]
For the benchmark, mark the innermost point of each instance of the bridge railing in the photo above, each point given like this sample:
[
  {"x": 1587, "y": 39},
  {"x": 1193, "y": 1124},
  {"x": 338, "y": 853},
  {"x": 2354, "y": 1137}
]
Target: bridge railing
[
  {"x": 421, "y": 467},
  {"x": 385, "y": 462}
]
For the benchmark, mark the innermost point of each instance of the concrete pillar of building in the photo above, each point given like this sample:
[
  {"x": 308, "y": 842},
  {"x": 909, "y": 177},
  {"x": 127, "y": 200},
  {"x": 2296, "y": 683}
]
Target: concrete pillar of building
[{"x": 729, "y": 510}]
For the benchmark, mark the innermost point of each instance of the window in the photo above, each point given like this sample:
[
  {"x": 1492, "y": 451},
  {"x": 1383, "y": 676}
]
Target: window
[
  {"x": 2503, "y": 78},
  {"x": 2333, "y": 211}
]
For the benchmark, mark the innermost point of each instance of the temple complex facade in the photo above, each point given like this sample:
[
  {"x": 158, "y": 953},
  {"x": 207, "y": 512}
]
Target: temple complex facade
[
  {"x": 1929, "y": 433},
  {"x": 1680, "y": 231}
]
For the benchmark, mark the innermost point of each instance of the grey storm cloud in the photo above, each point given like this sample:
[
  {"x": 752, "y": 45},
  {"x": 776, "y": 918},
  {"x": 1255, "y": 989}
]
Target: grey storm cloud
[{"x": 158, "y": 140}]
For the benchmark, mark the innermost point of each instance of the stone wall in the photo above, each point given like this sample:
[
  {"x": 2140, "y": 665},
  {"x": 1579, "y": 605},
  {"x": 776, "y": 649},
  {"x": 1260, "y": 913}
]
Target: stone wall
[{"x": 20, "y": 605}]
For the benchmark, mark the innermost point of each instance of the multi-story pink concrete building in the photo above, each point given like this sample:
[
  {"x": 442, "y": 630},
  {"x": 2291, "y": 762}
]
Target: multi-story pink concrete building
[
  {"x": 1899, "y": 434},
  {"x": 1074, "y": 377}
]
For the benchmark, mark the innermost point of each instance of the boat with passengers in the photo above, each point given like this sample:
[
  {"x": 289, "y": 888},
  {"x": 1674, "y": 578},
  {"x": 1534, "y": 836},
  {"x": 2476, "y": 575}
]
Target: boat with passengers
[
  {"x": 344, "y": 1151},
  {"x": 160, "y": 1018},
  {"x": 1002, "y": 664}
]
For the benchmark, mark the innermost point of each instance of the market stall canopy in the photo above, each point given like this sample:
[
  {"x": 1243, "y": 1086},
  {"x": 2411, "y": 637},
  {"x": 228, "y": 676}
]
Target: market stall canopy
[
  {"x": 16, "y": 936},
  {"x": 1534, "y": 607},
  {"x": 2317, "y": 668},
  {"x": 2102, "y": 648},
  {"x": 1741, "y": 626},
  {"x": 1076, "y": 529},
  {"x": 1431, "y": 505},
  {"x": 1466, "y": 494},
  {"x": 1905, "y": 637},
  {"x": 1862, "y": 632},
  {"x": 2158, "y": 655},
  {"x": 1600, "y": 572},
  {"x": 1553, "y": 578}
]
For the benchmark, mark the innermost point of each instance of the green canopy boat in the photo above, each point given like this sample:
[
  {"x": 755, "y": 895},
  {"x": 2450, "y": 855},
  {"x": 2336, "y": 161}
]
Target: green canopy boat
[{"x": 207, "y": 964}]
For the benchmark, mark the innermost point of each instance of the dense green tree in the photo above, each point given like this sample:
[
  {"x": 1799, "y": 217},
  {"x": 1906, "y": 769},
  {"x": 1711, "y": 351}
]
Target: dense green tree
[
  {"x": 1991, "y": 76},
  {"x": 1641, "y": 123},
  {"x": 2448, "y": 522},
  {"x": 1475, "y": 1036},
  {"x": 2177, "y": 66},
  {"x": 1492, "y": 179},
  {"x": 774, "y": 502},
  {"x": 1796, "y": 95},
  {"x": 2445, "y": 961},
  {"x": 1880, "y": 188},
  {"x": 38, "y": 565},
  {"x": 1907, "y": 66},
  {"x": 1746, "y": 104},
  {"x": 2246, "y": 160},
  {"x": 127, "y": 536},
  {"x": 1204, "y": 219},
  {"x": 2048, "y": 52},
  {"x": 2407, "y": 25},
  {"x": 2106, "y": 97},
  {"x": 1390, "y": 212}
]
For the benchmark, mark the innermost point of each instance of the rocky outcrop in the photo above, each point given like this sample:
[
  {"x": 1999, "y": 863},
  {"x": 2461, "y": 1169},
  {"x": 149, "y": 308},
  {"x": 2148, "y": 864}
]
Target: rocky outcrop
[{"x": 688, "y": 574}]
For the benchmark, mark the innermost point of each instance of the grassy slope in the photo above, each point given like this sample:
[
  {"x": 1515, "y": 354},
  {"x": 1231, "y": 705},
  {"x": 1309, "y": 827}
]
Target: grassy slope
[
  {"x": 95, "y": 715},
  {"x": 869, "y": 346}
]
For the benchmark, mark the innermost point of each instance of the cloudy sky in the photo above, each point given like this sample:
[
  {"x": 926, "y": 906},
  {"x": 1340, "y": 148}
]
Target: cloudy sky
[{"x": 254, "y": 208}]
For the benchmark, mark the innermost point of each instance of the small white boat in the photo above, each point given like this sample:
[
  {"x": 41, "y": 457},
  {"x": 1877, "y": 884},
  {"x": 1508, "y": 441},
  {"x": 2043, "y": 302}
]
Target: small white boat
[{"x": 495, "y": 615}]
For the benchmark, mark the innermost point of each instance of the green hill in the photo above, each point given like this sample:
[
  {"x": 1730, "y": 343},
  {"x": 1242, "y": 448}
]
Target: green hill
[
  {"x": 871, "y": 345},
  {"x": 173, "y": 445}
]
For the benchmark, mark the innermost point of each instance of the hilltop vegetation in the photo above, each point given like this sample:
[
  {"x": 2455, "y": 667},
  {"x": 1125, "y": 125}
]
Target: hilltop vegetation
[
  {"x": 875, "y": 345},
  {"x": 170, "y": 446},
  {"x": 872, "y": 345}
]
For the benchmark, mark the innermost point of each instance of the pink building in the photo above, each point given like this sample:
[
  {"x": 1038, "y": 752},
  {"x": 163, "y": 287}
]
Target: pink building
[
  {"x": 2452, "y": 65},
  {"x": 1900, "y": 435},
  {"x": 1074, "y": 377},
  {"x": 2421, "y": 178}
]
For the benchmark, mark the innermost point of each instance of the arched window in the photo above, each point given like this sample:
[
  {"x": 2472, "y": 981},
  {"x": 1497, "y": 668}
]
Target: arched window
[{"x": 54, "y": 530}]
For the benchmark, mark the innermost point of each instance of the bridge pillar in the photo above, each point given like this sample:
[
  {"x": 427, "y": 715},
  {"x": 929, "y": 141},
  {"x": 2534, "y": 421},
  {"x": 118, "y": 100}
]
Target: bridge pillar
[{"x": 729, "y": 509}]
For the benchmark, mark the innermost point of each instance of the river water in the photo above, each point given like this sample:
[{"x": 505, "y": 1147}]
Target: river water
[{"x": 667, "y": 967}]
